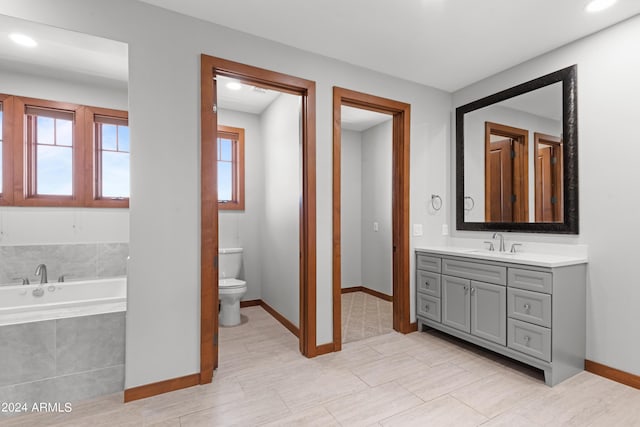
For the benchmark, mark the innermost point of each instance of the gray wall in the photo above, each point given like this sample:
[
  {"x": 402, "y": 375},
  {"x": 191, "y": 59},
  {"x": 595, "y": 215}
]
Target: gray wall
[
  {"x": 351, "y": 209},
  {"x": 280, "y": 226},
  {"x": 377, "y": 259},
  {"x": 608, "y": 69},
  {"x": 163, "y": 317},
  {"x": 242, "y": 228}
]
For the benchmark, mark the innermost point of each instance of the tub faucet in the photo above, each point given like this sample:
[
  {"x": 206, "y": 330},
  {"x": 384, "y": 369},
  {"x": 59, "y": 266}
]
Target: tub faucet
[
  {"x": 501, "y": 240},
  {"x": 41, "y": 270}
]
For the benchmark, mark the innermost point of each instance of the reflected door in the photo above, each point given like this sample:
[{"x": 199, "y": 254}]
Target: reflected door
[
  {"x": 548, "y": 176},
  {"x": 499, "y": 182},
  {"x": 506, "y": 173}
]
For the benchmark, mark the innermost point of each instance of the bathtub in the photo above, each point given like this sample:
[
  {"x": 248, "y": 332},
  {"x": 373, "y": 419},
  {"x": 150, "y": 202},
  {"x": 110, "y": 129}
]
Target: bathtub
[{"x": 18, "y": 304}]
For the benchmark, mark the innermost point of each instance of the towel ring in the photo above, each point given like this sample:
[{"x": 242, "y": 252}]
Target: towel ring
[
  {"x": 473, "y": 203},
  {"x": 436, "y": 202}
]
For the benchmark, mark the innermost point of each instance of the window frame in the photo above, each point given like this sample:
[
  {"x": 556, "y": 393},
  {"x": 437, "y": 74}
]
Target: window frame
[
  {"x": 93, "y": 159},
  {"x": 6, "y": 192},
  {"x": 24, "y": 164},
  {"x": 237, "y": 135}
]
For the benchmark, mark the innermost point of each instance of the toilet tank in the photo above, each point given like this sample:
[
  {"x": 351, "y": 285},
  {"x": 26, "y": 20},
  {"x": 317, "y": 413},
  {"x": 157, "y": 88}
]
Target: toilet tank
[{"x": 230, "y": 262}]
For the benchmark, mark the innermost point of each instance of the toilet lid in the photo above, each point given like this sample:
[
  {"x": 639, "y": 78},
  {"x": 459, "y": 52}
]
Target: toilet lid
[{"x": 231, "y": 283}]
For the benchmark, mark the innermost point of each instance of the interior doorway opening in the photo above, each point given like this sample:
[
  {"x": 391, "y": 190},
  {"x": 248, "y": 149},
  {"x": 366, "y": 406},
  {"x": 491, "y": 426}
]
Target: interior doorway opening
[
  {"x": 211, "y": 69},
  {"x": 399, "y": 242}
]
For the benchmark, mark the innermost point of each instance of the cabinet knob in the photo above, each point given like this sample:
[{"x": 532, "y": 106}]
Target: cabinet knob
[
  {"x": 426, "y": 284},
  {"x": 426, "y": 308},
  {"x": 527, "y": 338},
  {"x": 473, "y": 290},
  {"x": 466, "y": 288},
  {"x": 527, "y": 307}
]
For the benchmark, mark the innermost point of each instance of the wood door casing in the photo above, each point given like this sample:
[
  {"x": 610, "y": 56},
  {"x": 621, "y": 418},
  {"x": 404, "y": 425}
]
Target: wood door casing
[
  {"x": 548, "y": 178},
  {"x": 512, "y": 207}
]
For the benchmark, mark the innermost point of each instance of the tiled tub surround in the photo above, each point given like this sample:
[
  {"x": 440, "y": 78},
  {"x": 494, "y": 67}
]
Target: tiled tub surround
[
  {"x": 76, "y": 261},
  {"x": 63, "y": 360}
]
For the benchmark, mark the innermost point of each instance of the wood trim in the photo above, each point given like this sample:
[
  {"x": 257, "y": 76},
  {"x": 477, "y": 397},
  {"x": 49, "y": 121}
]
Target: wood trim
[
  {"x": 8, "y": 127},
  {"x": 613, "y": 374},
  {"x": 238, "y": 203},
  {"x": 210, "y": 68},
  {"x": 148, "y": 390},
  {"x": 401, "y": 141},
  {"x": 251, "y": 303},
  {"x": 369, "y": 291},
  {"x": 280, "y": 318},
  {"x": 413, "y": 326},
  {"x": 325, "y": 349}
]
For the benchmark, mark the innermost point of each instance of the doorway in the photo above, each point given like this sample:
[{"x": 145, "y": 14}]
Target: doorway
[
  {"x": 548, "y": 177},
  {"x": 506, "y": 173},
  {"x": 399, "y": 205},
  {"x": 211, "y": 68}
]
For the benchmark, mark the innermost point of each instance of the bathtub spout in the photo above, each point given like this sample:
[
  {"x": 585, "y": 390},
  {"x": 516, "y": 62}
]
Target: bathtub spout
[{"x": 41, "y": 270}]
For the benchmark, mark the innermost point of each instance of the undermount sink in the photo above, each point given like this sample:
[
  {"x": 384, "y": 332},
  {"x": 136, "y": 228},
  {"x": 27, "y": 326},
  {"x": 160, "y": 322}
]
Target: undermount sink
[{"x": 491, "y": 253}]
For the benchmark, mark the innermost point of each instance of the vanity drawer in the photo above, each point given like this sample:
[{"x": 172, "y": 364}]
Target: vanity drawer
[
  {"x": 428, "y": 283},
  {"x": 532, "y": 307},
  {"x": 530, "y": 339},
  {"x": 429, "y": 263},
  {"x": 428, "y": 307},
  {"x": 475, "y": 271},
  {"x": 538, "y": 281}
]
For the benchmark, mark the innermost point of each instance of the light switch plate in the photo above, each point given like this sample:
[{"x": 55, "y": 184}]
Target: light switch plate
[
  {"x": 417, "y": 229},
  {"x": 445, "y": 229}
]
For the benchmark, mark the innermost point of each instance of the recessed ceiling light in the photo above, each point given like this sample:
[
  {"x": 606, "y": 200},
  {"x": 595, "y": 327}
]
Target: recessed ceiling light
[
  {"x": 23, "y": 40},
  {"x": 234, "y": 86},
  {"x": 599, "y": 5}
]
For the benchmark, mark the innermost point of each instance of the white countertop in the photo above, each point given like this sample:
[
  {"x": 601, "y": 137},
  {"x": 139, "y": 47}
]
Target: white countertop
[{"x": 528, "y": 258}]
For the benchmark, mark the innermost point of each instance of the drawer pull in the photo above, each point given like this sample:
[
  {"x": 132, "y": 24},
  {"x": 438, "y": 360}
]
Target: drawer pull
[
  {"x": 527, "y": 307},
  {"x": 466, "y": 288},
  {"x": 473, "y": 290},
  {"x": 527, "y": 338},
  {"x": 426, "y": 284},
  {"x": 426, "y": 308}
]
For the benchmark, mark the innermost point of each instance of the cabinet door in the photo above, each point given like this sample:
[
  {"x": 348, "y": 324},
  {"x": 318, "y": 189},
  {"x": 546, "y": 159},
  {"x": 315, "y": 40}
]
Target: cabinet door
[
  {"x": 489, "y": 312},
  {"x": 456, "y": 303}
]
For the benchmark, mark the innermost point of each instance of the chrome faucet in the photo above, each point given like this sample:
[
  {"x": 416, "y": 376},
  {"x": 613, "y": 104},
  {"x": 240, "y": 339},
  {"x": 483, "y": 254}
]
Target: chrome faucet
[
  {"x": 41, "y": 270},
  {"x": 501, "y": 240}
]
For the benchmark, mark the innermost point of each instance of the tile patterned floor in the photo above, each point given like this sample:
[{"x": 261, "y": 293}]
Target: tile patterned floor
[
  {"x": 420, "y": 379},
  {"x": 365, "y": 316}
]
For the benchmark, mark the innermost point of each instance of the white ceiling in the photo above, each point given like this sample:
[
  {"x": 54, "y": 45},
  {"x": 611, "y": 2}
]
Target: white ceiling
[
  {"x": 447, "y": 44},
  {"x": 63, "y": 54},
  {"x": 248, "y": 98},
  {"x": 360, "y": 120}
]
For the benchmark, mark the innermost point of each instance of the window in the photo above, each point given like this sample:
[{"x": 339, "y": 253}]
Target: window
[
  {"x": 60, "y": 154},
  {"x": 230, "y": 162},
  {"x": 111, "y": 144},
  {"x": 50, "y": 147}
]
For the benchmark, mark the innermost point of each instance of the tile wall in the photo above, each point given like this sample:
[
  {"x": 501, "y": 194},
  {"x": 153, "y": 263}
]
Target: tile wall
[
  {"x": 74, "y": 261},
  {"x": 63, "y": 360}
]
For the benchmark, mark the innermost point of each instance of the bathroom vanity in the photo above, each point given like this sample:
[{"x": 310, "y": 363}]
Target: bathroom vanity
[{"x": 529, "y": 307}]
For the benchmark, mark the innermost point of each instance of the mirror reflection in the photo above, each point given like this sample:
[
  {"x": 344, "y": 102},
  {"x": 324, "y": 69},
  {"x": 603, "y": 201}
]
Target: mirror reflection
[
  {"x": 513, "y": 158},
  {"x": 517, "y": 158}
]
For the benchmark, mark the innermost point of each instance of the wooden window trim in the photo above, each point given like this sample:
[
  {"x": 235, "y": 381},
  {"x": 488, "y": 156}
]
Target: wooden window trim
[
  {"x": 92, "y": 162},
  {"x": 238, "y": 183},
  {"x": 6, "y": 192},
  {"x": 23, "y": 173}
]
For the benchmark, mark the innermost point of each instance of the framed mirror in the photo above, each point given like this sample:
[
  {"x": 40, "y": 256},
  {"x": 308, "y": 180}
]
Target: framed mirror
[{"x": 517, "y": 158}]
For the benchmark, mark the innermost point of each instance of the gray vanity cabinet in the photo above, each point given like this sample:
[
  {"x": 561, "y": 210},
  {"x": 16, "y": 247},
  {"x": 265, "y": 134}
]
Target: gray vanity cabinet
[
  {"x": 531, "y": 313},
  {"x": 488, "y": 312}
]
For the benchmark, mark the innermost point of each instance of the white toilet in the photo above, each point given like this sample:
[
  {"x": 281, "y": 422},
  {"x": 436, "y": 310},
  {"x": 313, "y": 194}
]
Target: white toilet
[{"x": 230, "y": 288}]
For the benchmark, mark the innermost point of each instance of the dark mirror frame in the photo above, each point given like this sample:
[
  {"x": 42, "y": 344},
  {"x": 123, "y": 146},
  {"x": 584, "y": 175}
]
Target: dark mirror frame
[{"x": 568, "y": 77}]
